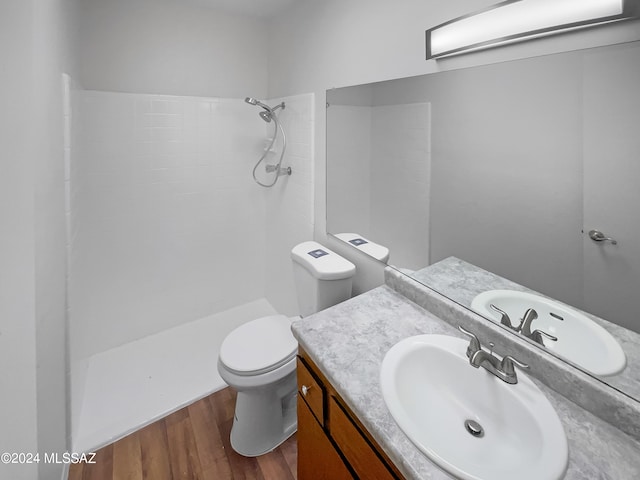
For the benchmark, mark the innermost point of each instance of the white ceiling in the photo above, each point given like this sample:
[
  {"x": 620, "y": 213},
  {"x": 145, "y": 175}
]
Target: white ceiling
[{"x": 257, "y": 8}]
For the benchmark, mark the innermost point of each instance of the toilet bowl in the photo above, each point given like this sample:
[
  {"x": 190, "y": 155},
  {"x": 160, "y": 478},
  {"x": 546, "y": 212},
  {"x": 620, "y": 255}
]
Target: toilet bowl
[{"x": 258, "y": 359}]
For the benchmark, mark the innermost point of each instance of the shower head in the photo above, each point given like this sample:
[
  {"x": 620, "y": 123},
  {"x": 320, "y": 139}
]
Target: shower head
[
  {"x": 268, "y": 113},
  {"x": 255, "y": 101},
  {"x": 266, "y": 116}
]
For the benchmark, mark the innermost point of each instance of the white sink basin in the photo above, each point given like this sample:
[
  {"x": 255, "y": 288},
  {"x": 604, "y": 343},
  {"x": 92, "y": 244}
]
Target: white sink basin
[
  {"x": 431, "y": 390},
  {"x": 580, "y": 339}
]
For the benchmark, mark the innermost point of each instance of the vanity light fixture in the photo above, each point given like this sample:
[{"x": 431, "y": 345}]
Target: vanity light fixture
[{"x": 517, "y": 20}]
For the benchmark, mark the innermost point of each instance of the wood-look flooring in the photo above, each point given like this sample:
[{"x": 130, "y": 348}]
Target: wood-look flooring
[{"x": 190, "y": 444}]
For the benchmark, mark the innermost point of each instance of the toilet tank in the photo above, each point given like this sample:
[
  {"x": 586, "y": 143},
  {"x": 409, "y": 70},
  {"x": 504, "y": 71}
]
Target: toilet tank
[
  {"x": 375, "y": 250},
  {"x": 322, "y": 277}
]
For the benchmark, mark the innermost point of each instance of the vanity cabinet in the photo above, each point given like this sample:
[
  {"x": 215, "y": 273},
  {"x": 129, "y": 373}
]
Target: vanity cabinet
[{"x": 332, "y": 444}]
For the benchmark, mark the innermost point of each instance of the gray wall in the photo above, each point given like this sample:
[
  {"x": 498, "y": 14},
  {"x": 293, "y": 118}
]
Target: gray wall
[{"x": 507, "y": 171}]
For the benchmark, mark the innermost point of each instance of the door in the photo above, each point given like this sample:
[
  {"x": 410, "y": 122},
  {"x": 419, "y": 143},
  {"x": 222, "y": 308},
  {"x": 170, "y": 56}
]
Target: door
[{"x": 612, "y": 184}]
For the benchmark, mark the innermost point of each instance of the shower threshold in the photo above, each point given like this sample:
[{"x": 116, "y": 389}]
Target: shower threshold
[{"x": 133, "y": 385}]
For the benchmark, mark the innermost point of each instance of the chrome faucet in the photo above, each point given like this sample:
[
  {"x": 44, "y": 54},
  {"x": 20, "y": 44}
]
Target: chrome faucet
[
  {"x": 525, "y": 325},
  {"x": 503, "y": 369},
  {"x": 536, "y": 335}
]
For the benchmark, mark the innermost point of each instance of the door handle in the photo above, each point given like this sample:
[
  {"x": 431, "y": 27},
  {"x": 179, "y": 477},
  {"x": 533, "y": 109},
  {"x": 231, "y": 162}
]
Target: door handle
[{"x": 598, "y": 236}]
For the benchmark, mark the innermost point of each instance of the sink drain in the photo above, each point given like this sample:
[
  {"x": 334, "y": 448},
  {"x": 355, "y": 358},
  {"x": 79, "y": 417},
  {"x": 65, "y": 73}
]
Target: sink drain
[{"x": 474, "y": 428}]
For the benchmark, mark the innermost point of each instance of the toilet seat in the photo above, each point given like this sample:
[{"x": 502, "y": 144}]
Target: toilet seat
[{"x": 259, "y": 346}]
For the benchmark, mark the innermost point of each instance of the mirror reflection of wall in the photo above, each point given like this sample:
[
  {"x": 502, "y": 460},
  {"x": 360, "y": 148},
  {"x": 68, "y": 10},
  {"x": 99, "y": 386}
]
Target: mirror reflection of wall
[
  {"x": 507, "y": 190},
  {"x": 523, "y": 159},
  {"x": 513, "y": 147},
  {"x": 611, "y": 153},
  {"x": 545, "y": 152},
  {"x": 379, "y": 174}
]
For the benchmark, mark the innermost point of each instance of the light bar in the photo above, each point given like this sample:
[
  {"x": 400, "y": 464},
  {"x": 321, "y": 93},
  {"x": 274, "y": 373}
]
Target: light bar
[{"x": 517, "y": 20}]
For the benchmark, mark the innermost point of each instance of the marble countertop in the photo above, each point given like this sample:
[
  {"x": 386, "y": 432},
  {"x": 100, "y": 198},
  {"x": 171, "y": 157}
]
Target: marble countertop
[
  {"x": 461, "y": 282},
  {"x": 349, "y": 341}
]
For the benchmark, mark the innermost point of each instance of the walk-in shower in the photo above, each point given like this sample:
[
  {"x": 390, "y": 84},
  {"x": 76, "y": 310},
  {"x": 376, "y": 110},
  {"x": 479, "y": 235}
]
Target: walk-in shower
[{"x": 268, "y": 114}]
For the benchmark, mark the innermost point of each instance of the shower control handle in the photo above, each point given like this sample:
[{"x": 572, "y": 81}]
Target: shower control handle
[{"x": 280, "y": 170}]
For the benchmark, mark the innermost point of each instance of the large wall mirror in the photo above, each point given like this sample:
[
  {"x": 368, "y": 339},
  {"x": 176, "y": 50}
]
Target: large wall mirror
[{"x": 508, "y": 188}]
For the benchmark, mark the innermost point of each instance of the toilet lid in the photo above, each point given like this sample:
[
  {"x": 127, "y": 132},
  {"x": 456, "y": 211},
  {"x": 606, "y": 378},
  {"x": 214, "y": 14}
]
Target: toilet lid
[{"x": 259, "y": 346}]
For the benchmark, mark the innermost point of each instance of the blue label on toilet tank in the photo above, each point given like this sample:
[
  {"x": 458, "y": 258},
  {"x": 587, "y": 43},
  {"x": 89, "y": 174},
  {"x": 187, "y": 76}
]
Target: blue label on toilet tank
[
  {"x": 317, "y": 253},
  {"x": 356, "y": 242}
]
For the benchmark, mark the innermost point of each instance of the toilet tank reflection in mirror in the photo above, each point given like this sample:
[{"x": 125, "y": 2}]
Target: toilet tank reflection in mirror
[{"x": 518, "y": 162}]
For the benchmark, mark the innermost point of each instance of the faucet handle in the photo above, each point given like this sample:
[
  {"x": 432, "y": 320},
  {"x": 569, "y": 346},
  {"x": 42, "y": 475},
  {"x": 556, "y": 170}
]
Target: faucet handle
[
  {"x": 537, "y": 335},
  {"x": 507, "y": 364},
  {"x": 504, "y": 317},
  {"x": 474, "y": 344},
  {"x": 546, "y": 335}
]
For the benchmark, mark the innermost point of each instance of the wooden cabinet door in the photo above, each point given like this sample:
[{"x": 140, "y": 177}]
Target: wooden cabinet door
[
  {"x": 361, "y": 456},
  {"x": 317, "y": 459}
]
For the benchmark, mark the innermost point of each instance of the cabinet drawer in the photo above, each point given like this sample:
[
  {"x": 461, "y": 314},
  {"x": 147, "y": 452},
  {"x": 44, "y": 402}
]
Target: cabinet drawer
[
  {"x": 353, "y": 445},
  {"x": 317, "y": 459},
  {"x": 311, "y": 391}
]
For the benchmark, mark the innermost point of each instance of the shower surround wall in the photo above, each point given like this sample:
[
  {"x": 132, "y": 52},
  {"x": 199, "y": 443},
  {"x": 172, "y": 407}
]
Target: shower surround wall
[{"x": 170, "y": 224}]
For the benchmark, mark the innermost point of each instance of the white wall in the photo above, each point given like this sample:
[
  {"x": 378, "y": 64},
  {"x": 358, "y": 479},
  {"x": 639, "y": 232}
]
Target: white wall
[
  {"x": 170, "y": 225},
  {"x": 340, "y": 43},
  {"x": 36, "y": 39},
  {"x": 55, "y": 32},
  {"x": 18, "y": 416},
  {"x": 76, "y": 372},
  {"x": 334, "y": 43},
  {"x": 171, "y": 47}
]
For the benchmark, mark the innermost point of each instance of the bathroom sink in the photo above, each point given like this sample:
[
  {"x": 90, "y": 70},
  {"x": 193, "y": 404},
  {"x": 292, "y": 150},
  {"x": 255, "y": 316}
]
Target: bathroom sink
[
  {"x": 580, "y": 339},
  {"x": 466, "y": 420}
]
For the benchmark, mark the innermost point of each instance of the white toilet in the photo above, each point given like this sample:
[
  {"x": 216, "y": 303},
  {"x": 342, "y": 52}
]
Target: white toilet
[{"x": 258, "y": 359}]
